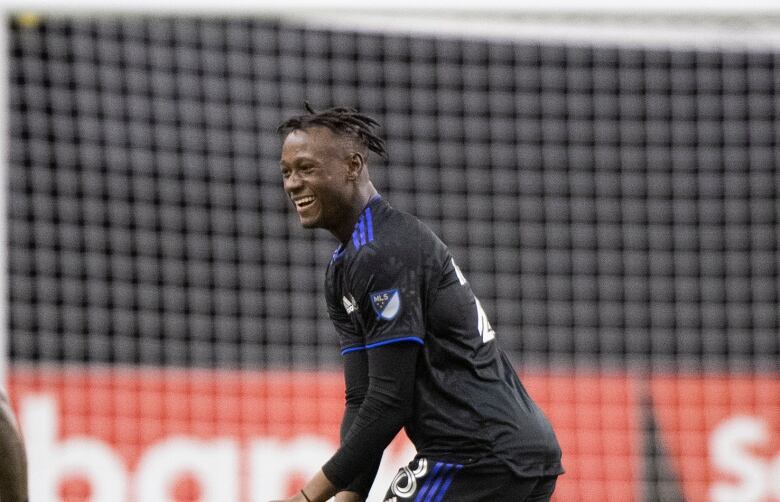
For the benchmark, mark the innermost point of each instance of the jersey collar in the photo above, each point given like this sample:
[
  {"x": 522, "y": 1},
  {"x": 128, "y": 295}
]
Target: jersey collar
[{"x": 364, "y": 229}]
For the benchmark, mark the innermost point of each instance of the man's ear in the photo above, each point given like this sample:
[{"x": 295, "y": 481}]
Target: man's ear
[{"x": 356, "y": 164}]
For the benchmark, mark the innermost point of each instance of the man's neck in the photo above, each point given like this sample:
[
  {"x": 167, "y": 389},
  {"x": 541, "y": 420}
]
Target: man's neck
[{"x": 363, "y": 197}]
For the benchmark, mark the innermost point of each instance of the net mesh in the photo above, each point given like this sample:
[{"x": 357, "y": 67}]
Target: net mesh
[{"x": 614, "y": 208}]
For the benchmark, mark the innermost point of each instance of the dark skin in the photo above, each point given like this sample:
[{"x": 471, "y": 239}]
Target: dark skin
[
  {"x": 13, "y": 467},
  {"x": 326, "y": 177}
]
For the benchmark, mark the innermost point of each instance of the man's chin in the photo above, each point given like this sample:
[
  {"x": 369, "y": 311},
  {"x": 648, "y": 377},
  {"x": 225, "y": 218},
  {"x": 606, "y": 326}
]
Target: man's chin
[{"x": 310, "y": 222}]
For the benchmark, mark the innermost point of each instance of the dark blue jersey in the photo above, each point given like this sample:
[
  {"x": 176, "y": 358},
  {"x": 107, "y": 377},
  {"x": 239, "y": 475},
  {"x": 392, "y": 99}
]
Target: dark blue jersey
[{"x": 396, "y": 282}]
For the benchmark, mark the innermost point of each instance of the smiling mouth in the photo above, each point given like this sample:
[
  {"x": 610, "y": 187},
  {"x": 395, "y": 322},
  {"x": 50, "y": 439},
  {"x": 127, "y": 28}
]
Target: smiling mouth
[{"x": 304, "y": 202}]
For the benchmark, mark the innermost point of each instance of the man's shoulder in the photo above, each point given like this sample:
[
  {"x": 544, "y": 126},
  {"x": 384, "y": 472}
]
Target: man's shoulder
[
  {"x": 380, "y": 227},
  {"x": 384, "y": 234},
  {"x": 407, "y": 243},
  {"x": 396, "y": 227}
]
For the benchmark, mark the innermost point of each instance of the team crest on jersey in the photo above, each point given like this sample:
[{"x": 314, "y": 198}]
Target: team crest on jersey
[{"x": 386, "y": 303}]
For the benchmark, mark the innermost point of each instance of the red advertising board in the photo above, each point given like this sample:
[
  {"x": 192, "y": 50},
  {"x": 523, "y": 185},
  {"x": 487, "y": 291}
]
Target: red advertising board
[
  {"x": 126, "y": 434},
  {"x": 723, "y": 435}
]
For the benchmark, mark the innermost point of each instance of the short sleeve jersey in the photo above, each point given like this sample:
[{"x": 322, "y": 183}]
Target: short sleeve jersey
[{"x": 395, "y": 281}]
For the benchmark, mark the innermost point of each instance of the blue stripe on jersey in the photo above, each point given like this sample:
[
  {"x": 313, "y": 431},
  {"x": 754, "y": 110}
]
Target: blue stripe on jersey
[
  {"x": 438, "y": 483},
  {"x": 356, "y": 239},
  {"x": 338, "y": 253},
  {"x": 383, "y": 342},
  {"x": 370, "y": 224},
  {"x": 352, "y": 348},
  {"x": 362, "y": 227},
  {"x": 447, "y": 483},
  {"x": 363, "y": 233},
  {"x": 428, "y": 481}
]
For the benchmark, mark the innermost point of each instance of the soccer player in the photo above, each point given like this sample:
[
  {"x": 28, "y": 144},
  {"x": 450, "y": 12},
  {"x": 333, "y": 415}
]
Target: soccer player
[
  {"x": 418, "y": 350},
  {"x": 13, "y": 462}
]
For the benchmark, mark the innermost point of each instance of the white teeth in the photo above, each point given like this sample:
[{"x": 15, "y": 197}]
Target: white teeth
[{"x": 303, "y": 201}]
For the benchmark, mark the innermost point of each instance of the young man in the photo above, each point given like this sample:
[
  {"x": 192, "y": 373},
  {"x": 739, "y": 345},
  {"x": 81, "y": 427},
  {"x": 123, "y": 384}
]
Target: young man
[
  {"x": 419, "y": 352},
  {"x": 13, "y": 462}
]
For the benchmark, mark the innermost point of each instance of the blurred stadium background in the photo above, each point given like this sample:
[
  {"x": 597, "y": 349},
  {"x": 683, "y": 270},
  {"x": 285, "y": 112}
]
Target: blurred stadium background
[{"x": 607, "y": 182}]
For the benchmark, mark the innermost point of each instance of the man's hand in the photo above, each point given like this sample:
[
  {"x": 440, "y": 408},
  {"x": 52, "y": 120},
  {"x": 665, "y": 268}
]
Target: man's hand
[
  {"x": 319, "y": 489},
  {"x": 340, "y": 497},
  {"x": 349, "y": 497},
  {"x": 296, "y": 498}
]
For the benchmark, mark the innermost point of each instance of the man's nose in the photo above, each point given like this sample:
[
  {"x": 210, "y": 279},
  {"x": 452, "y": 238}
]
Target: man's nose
[{"x": 292, "y": 182}]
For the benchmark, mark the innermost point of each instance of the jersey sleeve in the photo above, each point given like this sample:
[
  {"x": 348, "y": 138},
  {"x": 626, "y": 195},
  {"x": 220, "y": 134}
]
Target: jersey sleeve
[{"x": 387, "y": 284}]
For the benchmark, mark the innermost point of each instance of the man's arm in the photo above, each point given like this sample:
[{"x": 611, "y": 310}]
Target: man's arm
[
  {"x": 13, "y": 466},
  {"x": 356, "y": 380},
  {"x": 347, "y": 496},
  {"x": 385, "y": 409}
]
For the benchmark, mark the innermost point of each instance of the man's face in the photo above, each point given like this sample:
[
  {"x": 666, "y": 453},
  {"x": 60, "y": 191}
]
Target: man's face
[{"x": 315, "y": 169}]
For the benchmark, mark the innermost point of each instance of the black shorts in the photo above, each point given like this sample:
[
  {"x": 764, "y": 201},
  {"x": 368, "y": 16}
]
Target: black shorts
[{"x": 426, "y": 480}]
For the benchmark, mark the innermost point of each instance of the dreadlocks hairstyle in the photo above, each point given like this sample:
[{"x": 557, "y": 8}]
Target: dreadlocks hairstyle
[{"x": 341, "y": 120}]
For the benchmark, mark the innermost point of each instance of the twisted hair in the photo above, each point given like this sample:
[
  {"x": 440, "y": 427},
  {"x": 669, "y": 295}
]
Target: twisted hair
[{"x": 341, "y": 120}]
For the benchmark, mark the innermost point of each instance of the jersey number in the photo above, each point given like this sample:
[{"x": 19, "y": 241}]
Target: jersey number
[{"x": 483, "y": 325}]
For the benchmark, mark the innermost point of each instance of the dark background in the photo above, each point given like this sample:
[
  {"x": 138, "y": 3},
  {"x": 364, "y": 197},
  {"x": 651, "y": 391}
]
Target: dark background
[{"x": 612, "y": 207}]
